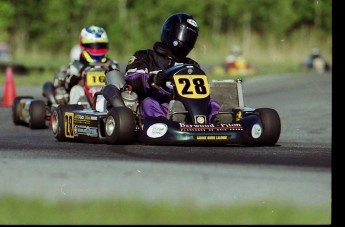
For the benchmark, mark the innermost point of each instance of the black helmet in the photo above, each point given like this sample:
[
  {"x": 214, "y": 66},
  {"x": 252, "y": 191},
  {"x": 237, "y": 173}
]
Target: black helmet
[{"x": 180, "y": 32}]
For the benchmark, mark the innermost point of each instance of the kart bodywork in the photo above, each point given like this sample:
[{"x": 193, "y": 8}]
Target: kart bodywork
[
  {"x": 30, "y": 112},
  {"x": 187, "y": 121},
  {"x": 36, "y": 113}
]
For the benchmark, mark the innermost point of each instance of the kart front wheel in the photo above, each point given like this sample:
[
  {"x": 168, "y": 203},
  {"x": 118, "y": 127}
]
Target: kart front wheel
[
  {"x": 16, "y": 109},
  {"x": 271, "y": 125},
  {"x": 120, "y": 125},
  {"x": 37, "y": 113}
]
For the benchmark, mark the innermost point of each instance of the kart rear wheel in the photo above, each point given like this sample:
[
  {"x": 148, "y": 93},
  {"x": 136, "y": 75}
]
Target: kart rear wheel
[
  {"x": 58, "y": 120},
  {"x": 120, "y": 125},
  {"x": 37, "y": 113},
  {"x": 16, "y": 109},
  {"x": 271, "y": 125}
]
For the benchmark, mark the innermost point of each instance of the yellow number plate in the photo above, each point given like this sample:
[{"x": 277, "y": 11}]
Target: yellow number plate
[
  {"x": 192, "y": 86},
  {"x": 95, "y": 78},
  {"x": 69, "y": 125}
]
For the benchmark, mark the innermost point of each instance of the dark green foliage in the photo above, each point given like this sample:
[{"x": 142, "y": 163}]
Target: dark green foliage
[{"x": 55, "y": 25}]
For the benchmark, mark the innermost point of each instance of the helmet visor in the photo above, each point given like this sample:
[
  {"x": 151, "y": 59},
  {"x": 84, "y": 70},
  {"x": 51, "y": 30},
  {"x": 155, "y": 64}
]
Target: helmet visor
[
  {"x": 96, "y": 45},
  {"x": 97, "y": 49},
  {"x": 187, "y": 36}
]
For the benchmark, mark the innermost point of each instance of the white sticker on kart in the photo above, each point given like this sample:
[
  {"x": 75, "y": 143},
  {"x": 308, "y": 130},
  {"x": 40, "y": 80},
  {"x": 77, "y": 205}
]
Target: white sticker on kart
[
  {"x": 256, "y": 131},
  {"x": 157, "y": 130}
]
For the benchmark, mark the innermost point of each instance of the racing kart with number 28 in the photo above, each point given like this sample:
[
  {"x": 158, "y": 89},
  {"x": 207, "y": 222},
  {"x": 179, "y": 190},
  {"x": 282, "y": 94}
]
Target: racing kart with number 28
[
  {"x": 36, "y": 113},
  {"x": 187, "y": 121}
]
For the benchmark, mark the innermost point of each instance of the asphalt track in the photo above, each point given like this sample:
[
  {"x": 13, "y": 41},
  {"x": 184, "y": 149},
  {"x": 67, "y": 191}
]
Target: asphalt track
[{"x": 297, "y": 170}]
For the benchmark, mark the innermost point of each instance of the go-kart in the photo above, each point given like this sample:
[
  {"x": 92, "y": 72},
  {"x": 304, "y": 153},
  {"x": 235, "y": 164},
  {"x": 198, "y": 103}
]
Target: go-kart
[
  {"x": 320, "y": 65},
  {"x": 239, "y": 67},
  {"x": 187, "y": 121},
  {"x": 36, "y": 113},
  {"x": 28, "y": 111}
]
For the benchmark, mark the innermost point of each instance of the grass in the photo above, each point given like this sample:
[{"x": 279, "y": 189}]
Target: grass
[
  {"x": 267, "y": 54},
  {"x": 14, "y": 210},
  {"x": 31, "y": 79}
]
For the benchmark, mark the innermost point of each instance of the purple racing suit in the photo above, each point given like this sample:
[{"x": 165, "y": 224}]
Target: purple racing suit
[{"x": 146, "y": 63}]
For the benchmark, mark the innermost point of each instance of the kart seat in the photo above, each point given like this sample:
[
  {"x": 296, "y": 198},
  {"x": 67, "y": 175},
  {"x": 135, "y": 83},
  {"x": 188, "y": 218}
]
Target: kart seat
[{"x": 227, "y": 94}]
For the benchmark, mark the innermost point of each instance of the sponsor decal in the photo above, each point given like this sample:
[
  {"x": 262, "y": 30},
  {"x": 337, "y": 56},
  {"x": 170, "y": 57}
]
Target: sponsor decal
[
  {"x": 86, "y": 130},
  {"x": 131, "y": 60},
  {"x": 82, "y": 119},
  {"x": 211, "y": 137},
  {"x": 93, "y": 90},
  {"x": 238, "y": 115},
  {"x": 256, "y": 131},
  {"x": 192, "y": 22},
  {"x": 157, "y": 130},
  {"x": 93, "y": 118},
  {"x": 200, "y": 119},
  {"x": 210, "y": 127},
  {"x": 75, "y": 130}
]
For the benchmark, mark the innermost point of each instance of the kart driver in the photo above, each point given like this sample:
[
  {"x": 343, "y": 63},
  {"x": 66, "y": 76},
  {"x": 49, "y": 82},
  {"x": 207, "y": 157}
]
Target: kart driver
[
  {"x": 315, "y": 61},
  {"x": 178, "y": 36},
  {"x": 93, "y": 41}
]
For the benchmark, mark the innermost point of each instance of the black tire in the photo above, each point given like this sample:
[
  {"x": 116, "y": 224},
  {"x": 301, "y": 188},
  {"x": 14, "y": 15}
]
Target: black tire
[
  {"x": 271, "y": 125},
  {"x": 37, "y": 113},
  {"x": 58, "y": 120},
  {"x": 123, "y": 122},
  {"x": 16, "y": 109}
]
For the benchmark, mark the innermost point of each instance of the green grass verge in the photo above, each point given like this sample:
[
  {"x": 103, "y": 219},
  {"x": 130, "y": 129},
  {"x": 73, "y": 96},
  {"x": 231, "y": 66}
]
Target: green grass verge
[{"x": 14, "y": 210}]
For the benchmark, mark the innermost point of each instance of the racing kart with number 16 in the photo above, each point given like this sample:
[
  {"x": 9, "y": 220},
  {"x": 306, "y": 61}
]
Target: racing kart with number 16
[{"x": 36, "y": 113}]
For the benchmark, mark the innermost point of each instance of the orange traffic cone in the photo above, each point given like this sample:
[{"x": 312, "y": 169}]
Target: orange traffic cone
[{"x": 10, "y": 88}]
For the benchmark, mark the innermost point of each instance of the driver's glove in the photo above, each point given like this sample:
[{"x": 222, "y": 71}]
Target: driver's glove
[{"x": 159, "y": 78}]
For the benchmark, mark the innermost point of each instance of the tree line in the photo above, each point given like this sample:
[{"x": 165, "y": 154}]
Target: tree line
[{"x": 54, "y": 25}]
